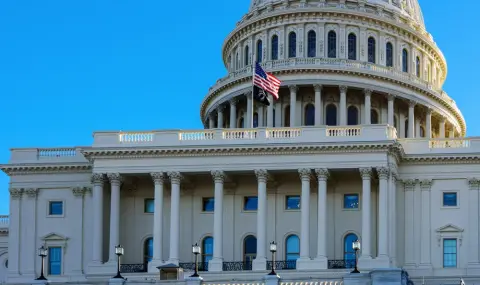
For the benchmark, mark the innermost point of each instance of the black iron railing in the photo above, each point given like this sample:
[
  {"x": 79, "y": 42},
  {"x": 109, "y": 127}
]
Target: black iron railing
[
  {"x": 190, "y": 266},
  {"x": 133, "y": 268},
  {"x": 341, "y": 264},
  {"x": 237, "y": 266},
  {"x": 283, "y": 265}
]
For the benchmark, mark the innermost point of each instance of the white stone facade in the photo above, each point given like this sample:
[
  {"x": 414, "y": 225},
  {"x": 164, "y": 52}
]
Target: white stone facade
[{"x": 395, "y": 142}]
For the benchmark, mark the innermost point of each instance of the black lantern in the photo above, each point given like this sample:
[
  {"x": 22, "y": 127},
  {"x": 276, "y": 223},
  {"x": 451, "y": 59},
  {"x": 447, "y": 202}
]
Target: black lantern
[
  {"x": 119, "y": 253},
  {"x": 42, "y": 252},
  {"x": 356, "y": 246},
  {"x": 273, "y": 250},
  {"x": 196, "y": 250}
]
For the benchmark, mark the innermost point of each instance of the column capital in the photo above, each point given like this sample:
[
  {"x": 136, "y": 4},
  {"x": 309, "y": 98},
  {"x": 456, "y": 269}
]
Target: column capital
[
  {"x": 79, "y": 192},
  {"x": 429, "y": 111},
  {"x": 249, "y": 94},
  {"x": 293, "y": 88},
  {"x": 368, "y": 92},
  {"x": 158, "y": 177},
  {"x": 322, "y": 174},
  {"x": 115, "y": 178},
  {"x": 366, "y": 173},
  {"x": 175, "y": 177},
  {"x": 426, "y": 184},
  {"x": 211, "y": 116},
  {"x": 98, "y": 179},
  {"x": 443, "y": 119},
  {"x": 305, "y": 174},
  {"x": 391, "y": 97},
  {"x": 31, "y": 192},
  {"x": 16, "y": 193},
  {"x": 221, "y": 108},
  {"x": 233, "y": 101},
  {"x": 409, "y": 184},
  {"x": 317, "y": 87},
  {"x": 473, "y": 183},
  {"x": 262, "y": 175},
  {"x": 412, "y": 103},
  {"x": 383, "y": 172},
  {"x": 343, "y": 88},
  {"x": 218, "y": 176}
]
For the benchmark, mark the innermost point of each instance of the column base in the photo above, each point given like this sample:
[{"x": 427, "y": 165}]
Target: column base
[
  {"x": 380, "y": 262},
  {"x": 259, "y": 264},
  {"x": 473, "y": 268},
  {"x": 410, "y": 266},
  {"x": 321, "y": 262},
  {"x": 365, "y": 262},
  {"x": 215, "y": 265},
  {"x": 305, "y": 263}
]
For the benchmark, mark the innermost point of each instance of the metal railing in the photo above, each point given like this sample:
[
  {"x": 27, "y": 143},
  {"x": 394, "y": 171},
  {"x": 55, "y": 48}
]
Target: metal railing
[
  {"x": 283, "y": 265},
  {"x": 237, "y": 266},
  {"x": 190, "y": 266},
  {"x": 133, "y": 268},
  {"x": 341, "y": 264}
]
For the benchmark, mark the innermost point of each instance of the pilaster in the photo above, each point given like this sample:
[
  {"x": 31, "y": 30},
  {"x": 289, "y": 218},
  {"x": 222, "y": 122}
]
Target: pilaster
[
  {"x": 409, "y": 223},
  {"x": 366, "y": 254},
  {"x": 473, "y": 267},
  {"x": 260, "y": 263},
  {"x": 304, "y": 261},
  {"x": 425, "y": 243}
]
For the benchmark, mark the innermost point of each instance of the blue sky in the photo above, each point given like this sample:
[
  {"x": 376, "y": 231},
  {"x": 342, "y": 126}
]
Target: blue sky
[{"x": 69, "y": 68}]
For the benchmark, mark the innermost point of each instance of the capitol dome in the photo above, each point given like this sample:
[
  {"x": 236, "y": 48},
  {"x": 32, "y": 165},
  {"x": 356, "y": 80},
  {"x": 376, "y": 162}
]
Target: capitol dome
[{"x": 342, "y": 63}]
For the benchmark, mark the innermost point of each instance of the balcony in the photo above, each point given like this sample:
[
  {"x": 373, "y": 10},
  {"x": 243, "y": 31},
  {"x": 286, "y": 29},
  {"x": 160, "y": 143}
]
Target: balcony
[
  {"x": 456, "y": 146},
  {"x": 4, "y": 223},
  {"x": 42, "y": 155}
]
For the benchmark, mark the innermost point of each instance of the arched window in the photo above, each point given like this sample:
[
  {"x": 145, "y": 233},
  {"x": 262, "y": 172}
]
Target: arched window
[
  {"x": 332, "y": 44},
  {"x": 286, "y": 123},
  {"x": 148, "y": 250},
  {"x": 310, "y": 115},
  {"x": 207, "y": 249},
  {"x": 312, "y": 44},
  {"x": 352, "y": 116},
  {"x": 422, "y": 132},
  {"x": 255, "y": 120},
  {"x": 352, "y": 46},
  {"x": 249, "y": 251},
  {"x": 275, "y": 47},
  {"x": 429, "y": 74},
  {"x": 404, "y": 60},
  {"x": 230, "y": 62},
  {"x": 372, "y": 50},
  {"x": 417, "y": 67},
  {"x": 389, "y": 55},
  {"x": 274, "y": 116},
  {"x": 331, "y": 115},
  {"x": 246, "y": 56},
  {"x": 348, "y": 252},
  {"x": 292, "y": 248},
  {"x": 374, "y": 117},
  {"x": 406, "y": 128},
  {"x": 292, "y": 45},
  {"x": 238, "y": 61},
  {"x": 259, "y": 51}
]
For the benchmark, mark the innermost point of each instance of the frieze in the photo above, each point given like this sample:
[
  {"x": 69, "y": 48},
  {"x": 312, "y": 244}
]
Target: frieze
[{"x": 27, "y": 169}]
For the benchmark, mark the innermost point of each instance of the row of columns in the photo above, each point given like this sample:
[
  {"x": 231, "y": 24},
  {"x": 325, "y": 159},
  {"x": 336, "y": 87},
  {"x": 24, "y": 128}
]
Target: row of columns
[{"x": 413, "y": 125}]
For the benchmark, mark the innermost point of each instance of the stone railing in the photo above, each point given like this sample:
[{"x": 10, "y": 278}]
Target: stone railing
[
  {"x": 439, "y": 146},
  {"x": 37, "y": 155},
  {"x": 4, "y": 221}
]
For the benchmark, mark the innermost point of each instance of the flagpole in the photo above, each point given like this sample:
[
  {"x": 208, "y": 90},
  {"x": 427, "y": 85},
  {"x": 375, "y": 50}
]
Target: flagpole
[{"x": 253, "y": 90}]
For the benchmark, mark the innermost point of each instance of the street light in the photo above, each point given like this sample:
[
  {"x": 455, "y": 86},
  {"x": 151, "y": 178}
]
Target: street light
[
  {"x": 273, "y": 249},
  {"x": 356, "y": 246},
  {"x": 118, "y": 252},
  {"x": 196, "y": 250},
  {"x": 42, "y": 252}
]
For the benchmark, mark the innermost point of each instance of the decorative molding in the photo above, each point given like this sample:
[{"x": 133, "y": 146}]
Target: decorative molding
[
  {"x": 473, "y": 183},
  {"x": 98, "y": 179},
  {"x": 410, "y": 184},
  {"x": 262, "y": 175},
  {"x": 322, "y": 174},
  {"x": 158, "y": 177},
  {"x": 218, "y": 176},
  {"x": 16, "y": 193},
  {"x": 293, "y": 88},
  {"x": 115, "y": 178},
  {"x": 175, "y": 177},
  {"x": 366, "y": 173},
  {"x": 449, "y": 231},
  {"x": 426, "y": 184},
  {"x": 383, "y": 172},
  {"x": 305, "y": 174},
  {"x": 79, "y": 192},
  {"x": 318, "y": 87},
  {"x": 28, "y": 169},
  {"x": 343, "y": 88}
]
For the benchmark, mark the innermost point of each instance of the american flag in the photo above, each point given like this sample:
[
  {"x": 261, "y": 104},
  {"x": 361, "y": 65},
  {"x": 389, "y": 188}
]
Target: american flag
[{"x": 266, "y": 81}]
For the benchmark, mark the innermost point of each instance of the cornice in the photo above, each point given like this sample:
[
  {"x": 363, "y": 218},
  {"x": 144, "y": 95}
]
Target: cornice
[
  {"x": 443, "y": 159},
  {"x": 45, "y": 168}
]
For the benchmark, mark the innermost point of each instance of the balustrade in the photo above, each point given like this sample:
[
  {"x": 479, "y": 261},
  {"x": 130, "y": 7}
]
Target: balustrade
[
  {"x": 196, "y": 136},
  {"x": 283, "y": 133},
  {"x": 344, "y": 132},
  {"x": 450, "y": 143},
  {"x": 239, "y": 134},
  {"x": 136, "y": 137},
  {"x": 56, "y": 152},
  {"x": 237, "y": 266},
  {"x": 4, "y": 221}
]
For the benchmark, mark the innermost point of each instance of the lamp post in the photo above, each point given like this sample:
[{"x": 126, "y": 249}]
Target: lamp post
[
  {"x": 42, "y": 252},
  {"x": 119, "y": 253},
  {"x": 273, "y": 249},
  {"x": 356, "y": 246},
  {"x": 196, "y": 250}
]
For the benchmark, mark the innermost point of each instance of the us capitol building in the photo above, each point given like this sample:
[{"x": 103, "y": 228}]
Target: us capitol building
[{"x": 363, "y": 144}]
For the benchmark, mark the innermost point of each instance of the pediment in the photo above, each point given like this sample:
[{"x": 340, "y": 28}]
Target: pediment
[
  {"x": 449, "y": 229},
  {"x": 54, "y": 237}
]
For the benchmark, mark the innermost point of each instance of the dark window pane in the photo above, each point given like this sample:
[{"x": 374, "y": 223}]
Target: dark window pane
[
  {"x": 371, "y": 50},
  {"x": 331, "y": 117},
  {"x": 352, "y": 116},
  {"x": 54, "y": 261},
  {"x": 259, "y": 51},
  {"x": 246, "y": 56},
  {"x": 148, "y": 250},
  {"x": 275, "y": 47},
  {"x": 312, "y": 44},
  {"x": 350, "y": 201},
  {"x": 449, "y": 253},
  {"x": 332, "y": 44},
  {"x": 352, "y": 47},
  {"x": 449, "y": 199},
  {"x": 292, "y": 45},
  {"x": 389, "y": 55},
  {"x": 405, "y": 60},
  {"x": 374, "y": 117},
  {"x": 250, "y": 204},
  {"x": 309, "y": 115},
  {"x": 208, "y": 204},
  {"x": 287, "y": 117},
  {"x": 418, "y": 67},
  {"x": 56, "y": 208},
  {"x": 292, "y": 203},
  {"x": 149, "y": 206}
]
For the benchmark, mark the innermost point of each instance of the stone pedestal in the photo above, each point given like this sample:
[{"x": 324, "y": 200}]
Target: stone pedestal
[
  {"x": 306, "y": 264},
  {"x": 272, "y": 279},
  {"x": 259, "y": 264},
  {"x": 357, "y": 279},
  {"x": 215, "y": 265}
]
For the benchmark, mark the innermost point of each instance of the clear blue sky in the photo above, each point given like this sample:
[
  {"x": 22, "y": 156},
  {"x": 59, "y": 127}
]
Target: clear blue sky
[{"x": 69, "y": 68}]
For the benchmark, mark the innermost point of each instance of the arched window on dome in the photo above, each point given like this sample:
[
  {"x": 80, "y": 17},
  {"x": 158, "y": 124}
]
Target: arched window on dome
[
  {"x": 417, "y": 67},
  {"x": 352, "y": 46},
  {"x": 259, "y": 51},
  {"x": 406, "y": 128},
  {"x": 372, "y": 48},
  {"x": 422, "y": 132},
  {"x": 292, "y": 248},
  {"x": 352, "y": 116},
  {"x": 274, "y": 116},
  {"x": 312, "y": 44},
  {"x": 389, "y": 48},
  {"x": 331, "y": 115},
  {"x": 429, "y": 72},
  {"x": 292, "y": 45},
  {"x": 404, "y": 60},
  {"x": 247, "y": 61},
  {"x": 286, "y": 122},
  {"x": 207, "y": 250},
  {"x": 237, "y": 62},
  {"x": 310, "y": 115},
  {"x": 274, "y": 47},
  {"x": 230, "y": 62},
  {"x": 255, "y": 120},
  {"x": 249, "y": 250},
  {"x": 374, "y": 117},
  {"x": 348, "y": 251},
  {"x": 148, "y": 250},
  {"x": 332, "y": 44}
]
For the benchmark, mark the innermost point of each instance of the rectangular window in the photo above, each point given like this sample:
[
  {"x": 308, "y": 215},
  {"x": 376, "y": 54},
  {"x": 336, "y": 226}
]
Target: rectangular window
[
  {"x": 55, "y": 208},
  {"x": 54, "y": 261},
  {"x": 149, "y": 206},
  {"x": 250, "y": 204},
  {"x": 450, "y": 199},
  {"x": 292, "y": 203},
  {"x": 208, "y": 204},
  {"x": 449, "y": 253},
  {"x": 350, "y": 201}
]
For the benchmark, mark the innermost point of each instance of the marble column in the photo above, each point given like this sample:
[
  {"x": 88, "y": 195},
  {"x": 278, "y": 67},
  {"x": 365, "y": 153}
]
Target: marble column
[
  {"x": 425, "y": 243},
  {"x": 366, "y": 174},
  {"x": 473, "y": 228},
  {"x": 303, "y": 261},
  {"x": 97, "y": 242},
  {"x": 392, "y": 210},
  {"x": 343, "y": 105},
  {"x": 429, "y": 124},
  {"x": 391, "y": 110},
  {"x": 211, "y": 121},
  {"x": 260, "y": 262},
  {"x": 28, "y": 240},
  {"x": 248, "y": 120},
  {"x": 157, "y": 259},
  {"x": 417, "y": 128},
  {"x": 368, "y": 106},
  {"x": 14, "y": 232},
  {"x": 216, "y": 264},
  {"x": 409, "y": 224},
  {"x": 321, "y": 260},
  {"x": 76, "y": 267},
  {"x": 260, "y": 113},
  {"x": 318, "y": 104},
  {"x": 220, "y": 120},
  {"x": 233, "y": 113},
  {"x": 442, "y": 127},
  {"x": 383, "y": 173},
  {"x": 411, "y": 119},
  {"x": 175, "y": 180},
  {"x": 115, "y": 182},
  {"x": 293, "y": 105},
  {"x": 270, "y": 117}
]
